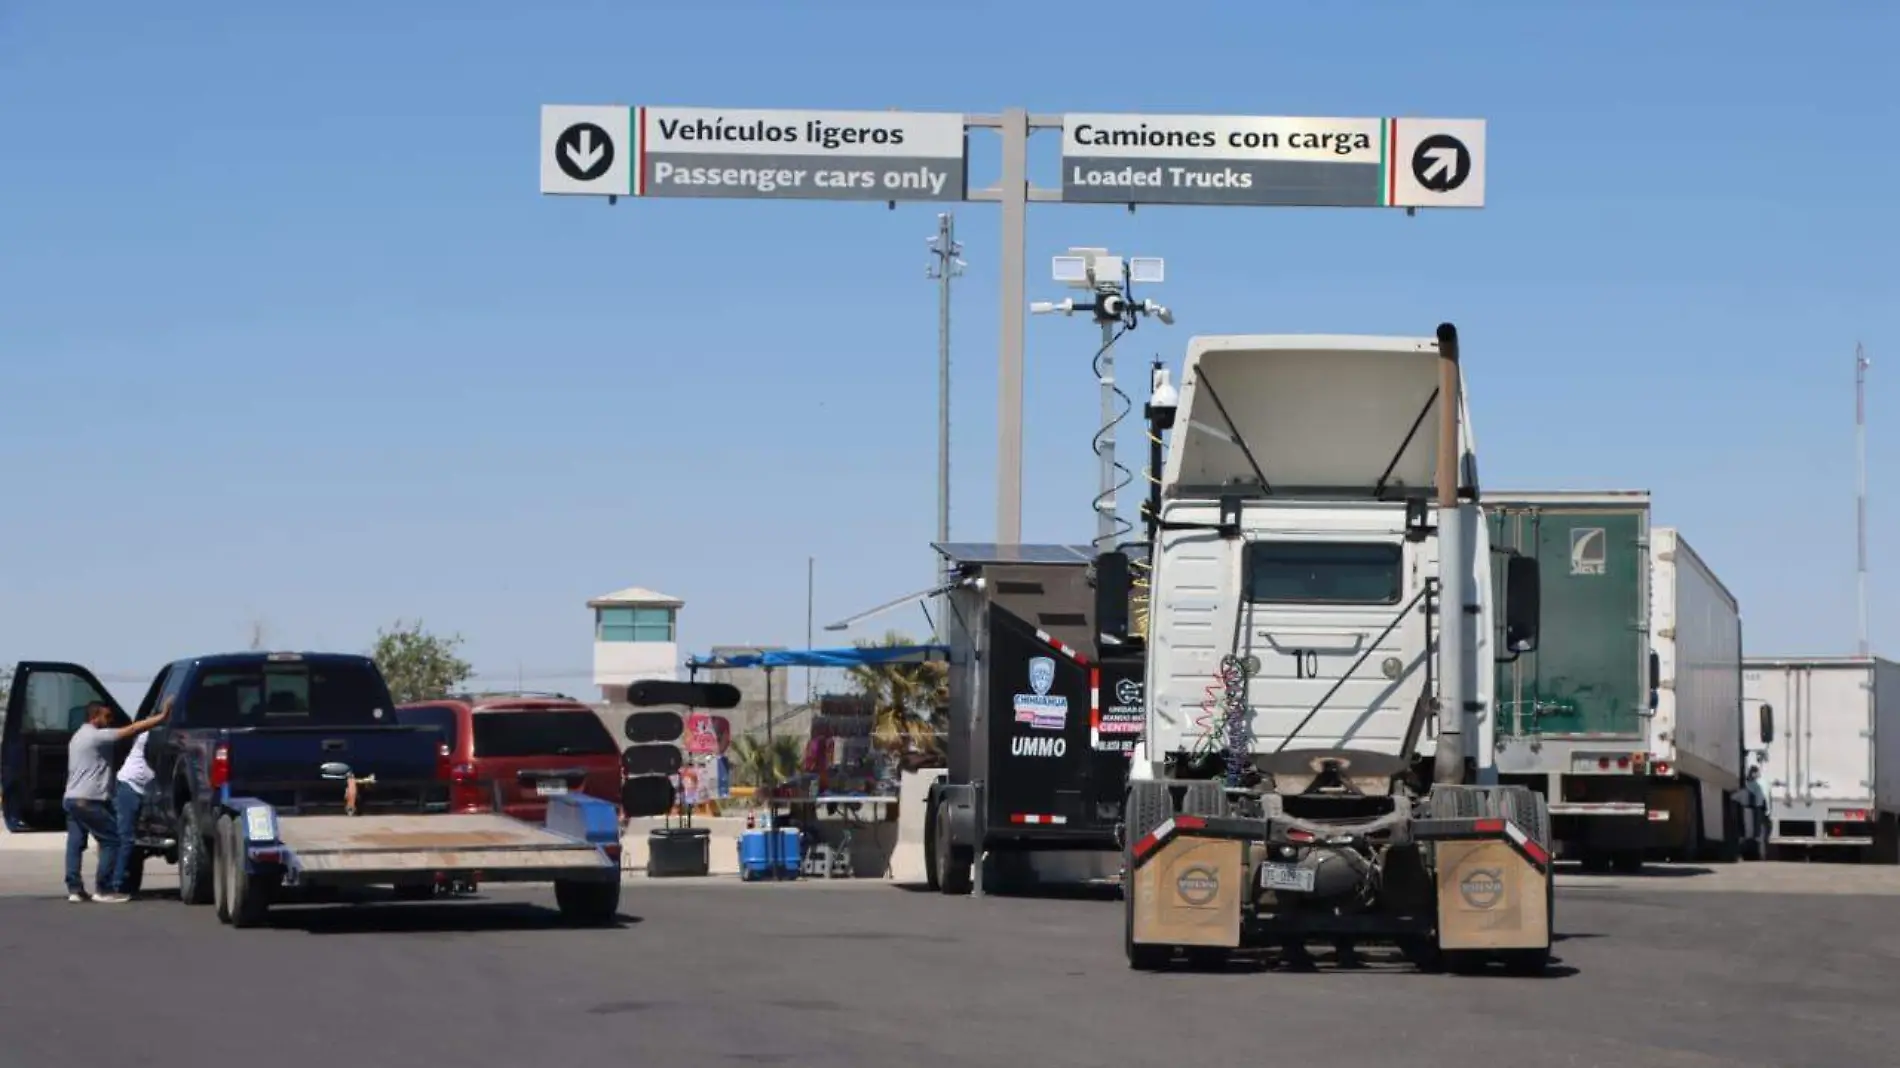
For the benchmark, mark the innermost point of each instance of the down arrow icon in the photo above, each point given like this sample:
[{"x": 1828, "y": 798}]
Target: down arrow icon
[{"x": 584, "y": 151}]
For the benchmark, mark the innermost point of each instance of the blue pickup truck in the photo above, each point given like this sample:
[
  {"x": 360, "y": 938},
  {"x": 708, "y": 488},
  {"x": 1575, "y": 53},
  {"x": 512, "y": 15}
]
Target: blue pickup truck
[{"x": 281, "y": 771}]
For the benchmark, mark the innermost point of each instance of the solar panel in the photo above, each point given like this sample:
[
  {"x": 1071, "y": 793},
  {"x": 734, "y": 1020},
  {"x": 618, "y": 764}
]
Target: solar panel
[{"x": 984, "y": 552}]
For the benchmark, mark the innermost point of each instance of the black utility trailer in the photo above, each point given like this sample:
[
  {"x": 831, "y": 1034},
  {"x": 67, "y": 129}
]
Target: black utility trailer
[{"x": 1031, "y": 770}]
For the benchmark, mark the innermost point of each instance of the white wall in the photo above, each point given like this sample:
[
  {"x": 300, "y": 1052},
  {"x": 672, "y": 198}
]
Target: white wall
[{"x": 619, "y": 663}]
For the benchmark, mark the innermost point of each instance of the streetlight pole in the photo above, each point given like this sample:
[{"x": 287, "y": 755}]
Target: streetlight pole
[{"x": 944, "y": 267}]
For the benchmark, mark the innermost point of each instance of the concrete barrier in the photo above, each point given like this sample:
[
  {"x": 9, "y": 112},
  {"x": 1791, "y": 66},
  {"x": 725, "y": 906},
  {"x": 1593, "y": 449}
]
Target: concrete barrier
[{"x": 907, "y": 856}]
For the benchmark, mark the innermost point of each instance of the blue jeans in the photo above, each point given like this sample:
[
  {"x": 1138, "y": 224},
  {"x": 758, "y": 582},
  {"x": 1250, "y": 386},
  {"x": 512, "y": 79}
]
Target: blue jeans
[
  {"x": 90, "y": 818},
  {"x": 125, "y": 816}
]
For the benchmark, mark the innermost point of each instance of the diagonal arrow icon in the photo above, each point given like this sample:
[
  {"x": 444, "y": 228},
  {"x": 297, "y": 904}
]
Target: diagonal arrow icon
[{"x": 1442, "y": 162}]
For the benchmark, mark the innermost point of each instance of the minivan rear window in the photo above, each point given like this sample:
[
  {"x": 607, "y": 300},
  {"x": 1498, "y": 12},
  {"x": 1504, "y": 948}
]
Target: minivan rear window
[{"x": 541, "y": 732}]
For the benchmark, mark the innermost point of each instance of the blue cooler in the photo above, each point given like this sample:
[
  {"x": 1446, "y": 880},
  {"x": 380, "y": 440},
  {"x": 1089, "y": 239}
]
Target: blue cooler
[{"x": 754, "y": 863}]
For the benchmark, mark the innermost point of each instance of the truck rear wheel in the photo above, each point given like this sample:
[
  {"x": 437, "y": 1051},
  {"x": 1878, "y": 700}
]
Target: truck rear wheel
[
  {"x": 1148, "y": 806},
  {"x": 954, "y": 862},
  {"x": 196, "y": 875},
  {"x": 588, "y": 904}
]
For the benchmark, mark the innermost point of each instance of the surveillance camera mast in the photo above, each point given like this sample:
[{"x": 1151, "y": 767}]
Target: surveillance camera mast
[{"x": 1238, "y": 160}]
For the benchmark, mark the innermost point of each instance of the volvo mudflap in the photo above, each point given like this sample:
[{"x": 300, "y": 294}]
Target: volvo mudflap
[
  {"x": 1455, "y": 883},
  {"x": 258, "y": 855}
]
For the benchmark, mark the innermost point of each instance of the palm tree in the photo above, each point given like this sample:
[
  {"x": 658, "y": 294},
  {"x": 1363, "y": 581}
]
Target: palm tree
[
  {"x": 755, "y": 763},
  {"x": 910, "y": 703}
]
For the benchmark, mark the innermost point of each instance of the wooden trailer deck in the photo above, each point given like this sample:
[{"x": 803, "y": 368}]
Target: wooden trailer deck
[{"x": 495, "y": 845}]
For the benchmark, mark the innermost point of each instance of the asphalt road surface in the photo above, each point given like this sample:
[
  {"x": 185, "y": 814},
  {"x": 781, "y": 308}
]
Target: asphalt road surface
[{"x": 871, "y": 975}]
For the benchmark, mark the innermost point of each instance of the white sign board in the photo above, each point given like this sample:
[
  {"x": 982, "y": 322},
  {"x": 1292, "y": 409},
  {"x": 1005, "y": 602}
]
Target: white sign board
[
  {"x": 1272, "y": 160},
  {"x": 587, "y": 150},
  {"x": 753, "y": 153}
]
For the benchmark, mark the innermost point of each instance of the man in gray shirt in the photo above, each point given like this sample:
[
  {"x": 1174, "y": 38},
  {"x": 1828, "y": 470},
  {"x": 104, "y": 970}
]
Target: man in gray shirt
[{"x": 89, "y": 794}]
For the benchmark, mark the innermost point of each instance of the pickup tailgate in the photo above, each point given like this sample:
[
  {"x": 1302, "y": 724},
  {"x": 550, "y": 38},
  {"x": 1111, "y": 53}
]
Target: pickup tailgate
[{"x": 283, "y": 766}]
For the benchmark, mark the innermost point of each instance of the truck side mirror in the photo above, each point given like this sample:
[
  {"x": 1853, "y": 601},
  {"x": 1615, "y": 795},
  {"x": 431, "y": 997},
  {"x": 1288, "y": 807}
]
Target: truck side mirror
[
  {"x": 1767, "y": 713},
  {"x": 1522, "y": 603},
  {"x": 1112, "y": 587}
]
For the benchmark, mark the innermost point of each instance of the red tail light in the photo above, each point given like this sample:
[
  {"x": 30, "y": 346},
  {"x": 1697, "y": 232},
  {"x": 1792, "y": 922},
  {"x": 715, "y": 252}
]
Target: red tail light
[
  {"x": 220, "y": 767},
  {"x": 465, "y": 790}
]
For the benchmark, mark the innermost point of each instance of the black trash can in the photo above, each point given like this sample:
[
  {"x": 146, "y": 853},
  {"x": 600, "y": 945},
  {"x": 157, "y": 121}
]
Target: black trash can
[{"x": 676, "y": 851}]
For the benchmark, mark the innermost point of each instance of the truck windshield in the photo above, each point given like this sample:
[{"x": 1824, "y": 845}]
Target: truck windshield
[
  {"x": 288, "y": 695},
  {"x": 1316, "y": 572}
]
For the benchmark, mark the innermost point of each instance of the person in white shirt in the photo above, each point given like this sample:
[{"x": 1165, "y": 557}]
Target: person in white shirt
[{"x": 135, "y": 778}]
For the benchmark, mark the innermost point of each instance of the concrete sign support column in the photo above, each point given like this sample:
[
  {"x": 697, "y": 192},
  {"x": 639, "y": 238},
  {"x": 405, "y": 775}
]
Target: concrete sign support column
[{"x": 1255, "y": 160}]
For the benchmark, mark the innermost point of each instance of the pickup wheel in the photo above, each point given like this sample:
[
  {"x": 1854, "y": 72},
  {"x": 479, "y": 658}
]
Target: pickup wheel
[
  {"x": 588, "y": 904},
  {"x": 195, "y": 872}
]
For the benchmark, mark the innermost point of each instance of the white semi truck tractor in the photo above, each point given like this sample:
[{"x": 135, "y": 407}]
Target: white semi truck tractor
[{"x": 1316, "y": 765}]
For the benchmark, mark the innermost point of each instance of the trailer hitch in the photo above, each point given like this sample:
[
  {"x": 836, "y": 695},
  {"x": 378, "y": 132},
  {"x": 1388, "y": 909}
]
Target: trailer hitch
[{"x": 337, "y": 771}]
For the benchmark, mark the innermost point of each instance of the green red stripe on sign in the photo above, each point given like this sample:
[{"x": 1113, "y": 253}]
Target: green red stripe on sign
[
  {"x": 639, "y": 136},
  {"x": 1388, "y": 143}
]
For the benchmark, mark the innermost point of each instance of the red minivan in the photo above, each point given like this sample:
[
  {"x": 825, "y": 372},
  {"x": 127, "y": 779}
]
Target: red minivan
[{"x": 513, "y": 751}]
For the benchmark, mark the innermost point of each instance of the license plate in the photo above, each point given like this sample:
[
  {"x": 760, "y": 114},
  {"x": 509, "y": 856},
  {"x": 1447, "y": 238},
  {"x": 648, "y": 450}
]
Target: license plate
[
  {"x": 550, "y": 789},
  {"x": 1287, "y": 877}
]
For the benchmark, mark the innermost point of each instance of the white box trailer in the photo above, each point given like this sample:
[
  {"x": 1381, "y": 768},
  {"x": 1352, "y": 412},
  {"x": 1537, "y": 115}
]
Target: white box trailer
[
  {"x": 1830, "y": 758},
  {"x": 1695, "y": 732},
  {"x": 1627, "y": 715}
]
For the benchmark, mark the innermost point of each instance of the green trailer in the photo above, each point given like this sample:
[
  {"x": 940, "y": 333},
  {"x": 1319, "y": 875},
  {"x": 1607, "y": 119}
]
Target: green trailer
[{"x": 1634, "y": 766}]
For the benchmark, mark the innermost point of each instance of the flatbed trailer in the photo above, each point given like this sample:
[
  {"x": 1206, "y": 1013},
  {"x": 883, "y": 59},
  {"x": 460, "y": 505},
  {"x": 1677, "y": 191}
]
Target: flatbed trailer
[{"x": 258, "y": 853}]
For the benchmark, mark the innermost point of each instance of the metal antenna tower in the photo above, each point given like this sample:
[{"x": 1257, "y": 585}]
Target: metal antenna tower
[
  {"x": 1861, "y": 363},
  {"x": 944, "y": 266}
]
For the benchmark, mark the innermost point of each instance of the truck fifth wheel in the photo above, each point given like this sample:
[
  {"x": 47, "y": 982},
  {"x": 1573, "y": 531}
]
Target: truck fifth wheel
[{"x": 1316, "y": 764}]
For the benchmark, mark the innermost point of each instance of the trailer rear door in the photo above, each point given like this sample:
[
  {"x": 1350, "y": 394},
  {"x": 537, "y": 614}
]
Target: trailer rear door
[
  {"x": 1589, "y": 675},
  {"x": 1042, "y": 765}
]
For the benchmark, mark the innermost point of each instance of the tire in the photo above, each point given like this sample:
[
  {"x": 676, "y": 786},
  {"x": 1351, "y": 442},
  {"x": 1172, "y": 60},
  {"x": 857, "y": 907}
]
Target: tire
[
  {"x": 588, "y": 904},
  {"x": 931, "y": 878},
  {"x": 247, "y": 895},
  {"x": 1627, "y": 862},
  {"x": 954, "y": 863},
  {"x": 196, "y": 874},
  {"x": 222, "y": 861},
  {"x": 1148, "y": 805}
]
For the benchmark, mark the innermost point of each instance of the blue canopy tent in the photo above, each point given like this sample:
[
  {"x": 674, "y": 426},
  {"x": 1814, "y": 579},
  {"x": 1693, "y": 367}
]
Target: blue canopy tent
[{"x": 847, "y": 657}]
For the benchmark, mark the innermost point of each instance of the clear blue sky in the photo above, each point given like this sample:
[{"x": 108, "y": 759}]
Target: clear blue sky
[{"x": 291, "y": 336}]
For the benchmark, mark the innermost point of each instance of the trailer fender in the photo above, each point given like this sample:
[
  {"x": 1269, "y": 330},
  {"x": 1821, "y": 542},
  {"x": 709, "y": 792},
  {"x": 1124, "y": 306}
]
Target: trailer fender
[
  {"x": 257, "y": 829},
  {"x": 587, "y": 819},
  {"x": 965, "y": 802}
]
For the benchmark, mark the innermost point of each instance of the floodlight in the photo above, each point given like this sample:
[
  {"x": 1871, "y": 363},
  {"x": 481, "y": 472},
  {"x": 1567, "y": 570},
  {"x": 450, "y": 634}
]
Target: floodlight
[
  {"x": 1070, "y": 270},
  {"x": 1148, "y": 270}
]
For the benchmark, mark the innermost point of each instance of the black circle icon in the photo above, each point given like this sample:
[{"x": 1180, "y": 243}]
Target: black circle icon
[
  {"x": 584, "y": 151},
  {"x": 1441, "y": 163}
]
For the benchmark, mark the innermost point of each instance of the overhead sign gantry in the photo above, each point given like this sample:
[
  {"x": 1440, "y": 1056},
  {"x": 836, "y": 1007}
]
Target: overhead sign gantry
[{"x": 1236, "y": 160}]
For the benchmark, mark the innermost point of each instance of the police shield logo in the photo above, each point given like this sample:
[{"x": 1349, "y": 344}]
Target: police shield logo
[{"x": 1042, "y": 675}]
